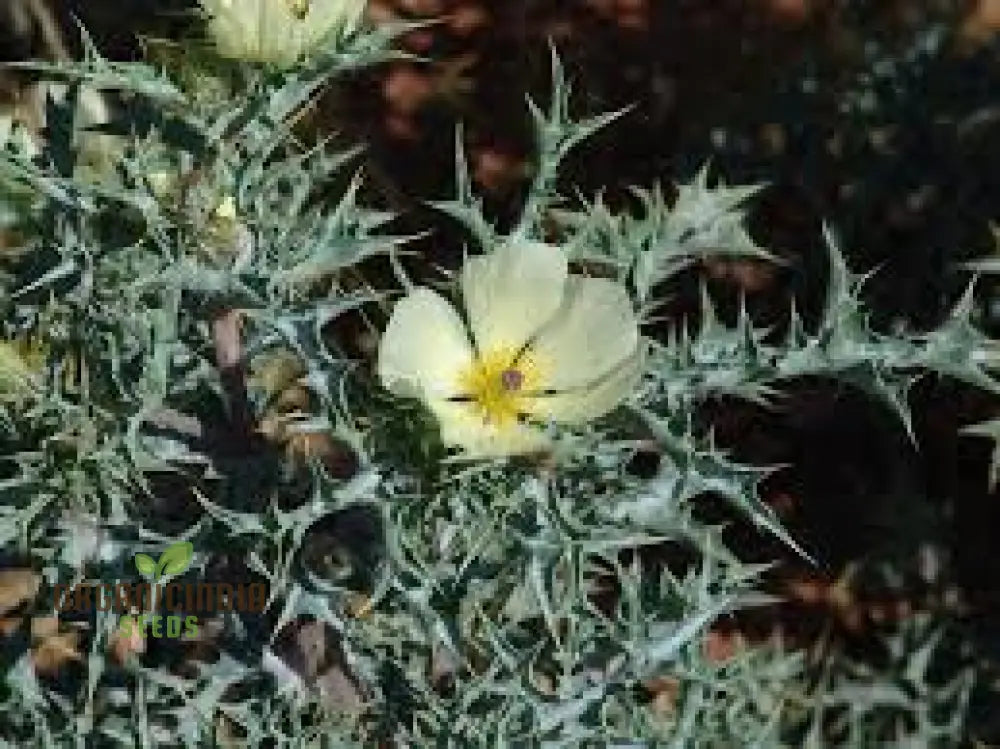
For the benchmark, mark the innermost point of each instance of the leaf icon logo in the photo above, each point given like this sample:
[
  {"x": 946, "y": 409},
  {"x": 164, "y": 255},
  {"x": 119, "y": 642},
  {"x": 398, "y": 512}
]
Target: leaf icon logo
[
  {"x": 145, "y": 564},
  {"x": 173, "y": 561}
]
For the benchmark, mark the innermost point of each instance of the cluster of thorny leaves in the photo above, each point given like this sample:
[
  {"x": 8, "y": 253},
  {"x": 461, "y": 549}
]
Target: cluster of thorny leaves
[{"x": 504, "y": 603}]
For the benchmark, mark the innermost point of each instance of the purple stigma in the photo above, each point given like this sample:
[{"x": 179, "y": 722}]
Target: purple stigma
[{"x": 511, "y": 379}]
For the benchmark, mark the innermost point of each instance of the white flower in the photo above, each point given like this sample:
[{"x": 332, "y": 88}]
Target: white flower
[
  {"x": 277, "y": 31},
  {"x": 545, "y": 345}
]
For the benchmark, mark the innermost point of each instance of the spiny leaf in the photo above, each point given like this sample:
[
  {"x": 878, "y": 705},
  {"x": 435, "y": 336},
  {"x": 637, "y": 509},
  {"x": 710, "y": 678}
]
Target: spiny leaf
[{"x": 990, "y": 430}]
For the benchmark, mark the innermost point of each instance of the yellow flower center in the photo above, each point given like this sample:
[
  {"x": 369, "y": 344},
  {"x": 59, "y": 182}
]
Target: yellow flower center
[{"x": 498, "y": 385}]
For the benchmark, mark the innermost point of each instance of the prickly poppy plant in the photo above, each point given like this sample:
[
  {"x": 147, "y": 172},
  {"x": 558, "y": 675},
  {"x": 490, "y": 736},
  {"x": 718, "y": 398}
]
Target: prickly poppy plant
[{"x": 452, "y": 528}]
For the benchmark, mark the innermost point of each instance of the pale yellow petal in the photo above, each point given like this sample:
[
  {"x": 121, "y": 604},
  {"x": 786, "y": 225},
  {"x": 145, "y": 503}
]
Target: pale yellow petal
[
  {"x": 234, "y": 28},
  {"x": 510, "y": 293},
  {"x": 425, "y": 348},
  {"x": 592, "y": 402},
  {"x": 594, "y": 332},
  {"x": 278, "y": 33},
  {"x": 462, "y": 427}
]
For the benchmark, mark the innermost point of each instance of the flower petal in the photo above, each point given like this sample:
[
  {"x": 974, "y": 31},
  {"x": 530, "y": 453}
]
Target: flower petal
[
  {"x": 594, "y": 401},
  {"x": 510, "y": 293},
  {"x": 593, "y": 333},
  {"x": 463, "y": 427},
  {"x": 425, "y": 347}
]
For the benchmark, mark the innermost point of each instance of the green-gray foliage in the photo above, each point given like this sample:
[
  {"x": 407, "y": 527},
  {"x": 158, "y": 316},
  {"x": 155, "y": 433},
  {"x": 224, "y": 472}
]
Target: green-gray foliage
[{"x": 509, "y": 604}]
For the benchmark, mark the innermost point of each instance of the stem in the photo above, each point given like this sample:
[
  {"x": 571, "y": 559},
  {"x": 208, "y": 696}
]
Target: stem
[{"x": 232, "y": 371}]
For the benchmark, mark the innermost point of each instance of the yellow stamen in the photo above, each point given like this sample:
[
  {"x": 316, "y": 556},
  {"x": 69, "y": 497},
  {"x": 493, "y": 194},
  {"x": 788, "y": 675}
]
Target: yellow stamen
[{"x": 497, "y": 385}]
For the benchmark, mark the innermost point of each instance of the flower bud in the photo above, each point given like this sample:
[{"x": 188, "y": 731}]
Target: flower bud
[{"x": 279, "y": 32}]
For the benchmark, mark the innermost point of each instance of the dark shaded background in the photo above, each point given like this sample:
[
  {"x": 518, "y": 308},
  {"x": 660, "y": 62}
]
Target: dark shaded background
[{"x": 879, "y": 117}]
